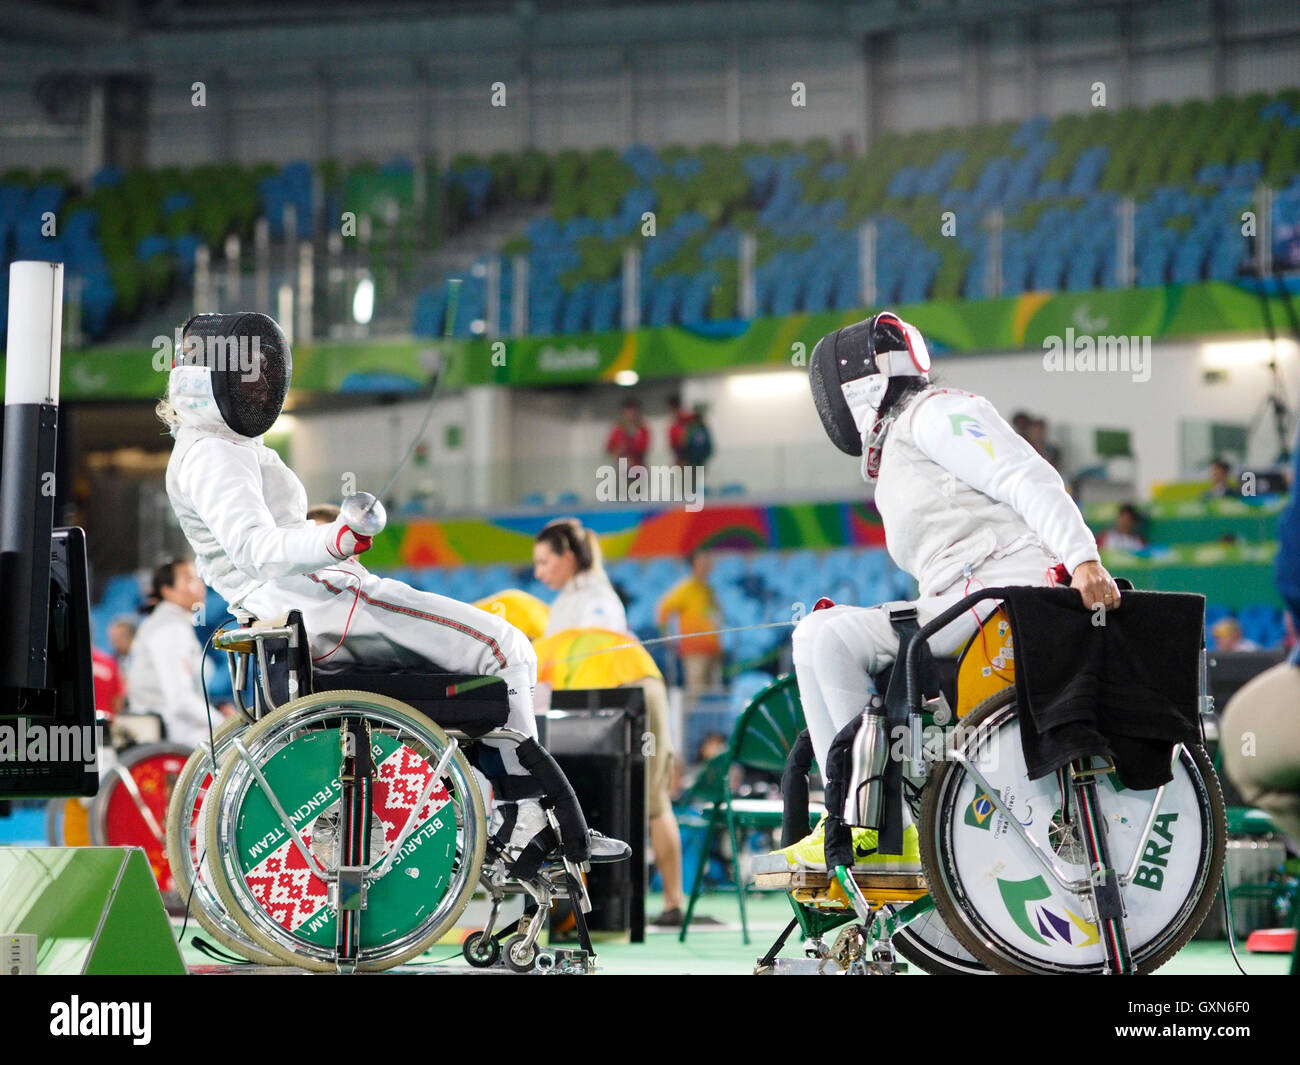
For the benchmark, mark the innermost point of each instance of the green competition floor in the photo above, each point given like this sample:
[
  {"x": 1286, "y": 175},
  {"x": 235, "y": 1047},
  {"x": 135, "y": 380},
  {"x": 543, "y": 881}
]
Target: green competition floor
[{"x": 721, "y": 950}]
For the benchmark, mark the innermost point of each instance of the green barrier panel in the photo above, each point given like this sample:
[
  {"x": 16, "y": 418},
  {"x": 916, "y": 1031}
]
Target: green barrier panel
[
  {"x": 953, "y": 327},
  {"x": 1199, "y": 521},
  {"x": 94, "y": 910},
  {"x": 1233, "y": 585}
]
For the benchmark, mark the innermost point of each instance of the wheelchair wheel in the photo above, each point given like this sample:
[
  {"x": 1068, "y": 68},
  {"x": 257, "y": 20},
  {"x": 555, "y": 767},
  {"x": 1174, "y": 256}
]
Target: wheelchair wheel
[
  {"x": 263, "y": 880},
  {"x": 929, "y": 944},
  {"x": 481, "y": 951},
  {"x": 1009, "y": 910},
  {"x": 520, "y": 957},
  {"x": 185, "y": 849},
  {"x": 130, "y": 809}
]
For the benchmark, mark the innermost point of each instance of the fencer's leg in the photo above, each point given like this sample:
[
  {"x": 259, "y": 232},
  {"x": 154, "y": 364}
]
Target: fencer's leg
[
  {"x": 835, "y": 653},
  {"x": 521, "y": 683},
  {"x": 816, "y": 713},
  {"x": 457, "y": 636}
]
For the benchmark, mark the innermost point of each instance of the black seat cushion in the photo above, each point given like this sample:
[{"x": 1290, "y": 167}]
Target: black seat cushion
[{"x": 475, "y": 712}]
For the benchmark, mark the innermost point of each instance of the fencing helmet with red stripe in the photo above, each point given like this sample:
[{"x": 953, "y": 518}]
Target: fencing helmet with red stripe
[{"x": 850, "y": 371}]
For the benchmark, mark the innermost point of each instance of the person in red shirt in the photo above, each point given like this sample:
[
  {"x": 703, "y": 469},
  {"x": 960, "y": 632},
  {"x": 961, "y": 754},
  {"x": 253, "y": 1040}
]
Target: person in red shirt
[
  {"x": 682, "y": 419},
  {"x": 110, "y": 689},
  {"x": 630, "y": 438}
]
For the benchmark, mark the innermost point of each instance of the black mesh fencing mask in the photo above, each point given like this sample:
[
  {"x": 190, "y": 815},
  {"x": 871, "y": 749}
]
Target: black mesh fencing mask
[{"x": 250, "y": 363}]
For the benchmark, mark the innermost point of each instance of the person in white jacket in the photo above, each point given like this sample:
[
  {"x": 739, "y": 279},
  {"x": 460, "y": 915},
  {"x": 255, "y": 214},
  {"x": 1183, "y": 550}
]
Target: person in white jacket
[
  {"x": 966, "y": 503},
  {"x": 244, "y": 513},
  {"x": 165, "y": 675},
  {"x": 566, "y": 558}
]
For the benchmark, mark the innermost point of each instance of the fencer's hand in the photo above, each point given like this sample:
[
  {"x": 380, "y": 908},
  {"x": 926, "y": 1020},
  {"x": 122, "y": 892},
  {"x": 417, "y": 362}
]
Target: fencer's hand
[
  {"x": 343, "y": 543},
  {"x": 1095, "y": 585}
]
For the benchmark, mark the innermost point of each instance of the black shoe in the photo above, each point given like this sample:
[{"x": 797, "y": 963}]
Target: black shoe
[{"x": 607, "y": 849}]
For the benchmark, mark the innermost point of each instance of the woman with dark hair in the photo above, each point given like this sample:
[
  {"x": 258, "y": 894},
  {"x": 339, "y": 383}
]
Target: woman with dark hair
[
  {"x": 567, "y": 559},
  {"x": 165, "y": 676},
  {"x": 587, "y": 644}
]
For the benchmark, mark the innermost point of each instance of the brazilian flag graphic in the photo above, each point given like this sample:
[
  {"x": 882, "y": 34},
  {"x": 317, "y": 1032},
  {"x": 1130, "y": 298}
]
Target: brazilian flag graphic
[{"x": 979, "y": 814}]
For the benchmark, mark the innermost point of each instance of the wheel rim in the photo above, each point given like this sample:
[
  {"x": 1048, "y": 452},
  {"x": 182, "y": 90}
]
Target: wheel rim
[
  {"x": 185, "y": 833},
  {"x": 1015, "y": 907},
  {"x": 299, "y": 758}
]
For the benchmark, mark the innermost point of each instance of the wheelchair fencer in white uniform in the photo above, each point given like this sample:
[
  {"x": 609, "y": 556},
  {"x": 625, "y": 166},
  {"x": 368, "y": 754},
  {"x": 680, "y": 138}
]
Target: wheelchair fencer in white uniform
[
  {"x": 966, "y": 503},
  {"x": 975, "y": 515},
  {"x": 243, "y": 512}
]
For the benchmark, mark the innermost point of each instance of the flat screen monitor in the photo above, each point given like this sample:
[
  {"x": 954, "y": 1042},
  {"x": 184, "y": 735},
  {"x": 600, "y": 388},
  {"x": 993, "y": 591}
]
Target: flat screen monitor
[{"x": 49, "y": 743}]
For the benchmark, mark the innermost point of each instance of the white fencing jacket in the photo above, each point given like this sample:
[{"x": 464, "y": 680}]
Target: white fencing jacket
[
  {"x": 958, "y": 486},
  {"x": 242, "y": 509},
  {"x": 165, "y": 675},
  {"x": 244, "y": 513},
  {"x": 587, "y": 601}
]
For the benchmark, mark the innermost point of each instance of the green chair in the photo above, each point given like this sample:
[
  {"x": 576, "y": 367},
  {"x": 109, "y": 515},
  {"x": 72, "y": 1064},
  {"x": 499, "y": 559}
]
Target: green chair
[{"x": 762, "y": 739}]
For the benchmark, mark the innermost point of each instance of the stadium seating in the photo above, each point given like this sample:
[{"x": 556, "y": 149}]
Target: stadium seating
[{"x": 1192, "y": 169}]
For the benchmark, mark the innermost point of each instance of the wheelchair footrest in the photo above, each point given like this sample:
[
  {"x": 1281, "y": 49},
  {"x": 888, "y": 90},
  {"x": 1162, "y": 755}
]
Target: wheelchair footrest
[{"x": 813, "y": 888}]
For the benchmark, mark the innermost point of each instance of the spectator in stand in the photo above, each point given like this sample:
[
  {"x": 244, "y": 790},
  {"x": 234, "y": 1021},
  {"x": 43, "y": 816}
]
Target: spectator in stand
[
  {"x": 630, "y": 438},
  {"x": 121, "y": 634},
  {"x": 699, "y": 441},
  {"x": 688, "y": 436},
  {"x": 1125, "y": 534},
  {"x": 1220, "y": 485},
  {"x": 698, "y": 615},
  {"x": 682, "y": 419},
  {"x": 1227, "y": 636},
  {"x": 1036, "y": 434}
]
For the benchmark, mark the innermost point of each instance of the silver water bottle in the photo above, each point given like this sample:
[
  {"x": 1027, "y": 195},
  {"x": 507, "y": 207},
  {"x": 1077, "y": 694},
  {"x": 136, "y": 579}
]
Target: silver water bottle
[{"x": 866, "y": 791}]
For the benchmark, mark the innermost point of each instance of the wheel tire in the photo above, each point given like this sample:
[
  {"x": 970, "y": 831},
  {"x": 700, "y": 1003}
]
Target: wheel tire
[
  {"x": 481, "y": 951},
  {"x": 952, "y": 913},
  {"x": 204, "y": 906},
  {"x": 358, "y": 702},
  {"x": 519, "y": 960},
  {"x": 933, "y": 959}
]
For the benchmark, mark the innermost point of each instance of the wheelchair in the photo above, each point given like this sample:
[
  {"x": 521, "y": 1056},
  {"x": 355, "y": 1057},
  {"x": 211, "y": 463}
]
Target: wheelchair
[
  {"x": 339, "y": 822},
  {"x": 1071, "y": 873}
]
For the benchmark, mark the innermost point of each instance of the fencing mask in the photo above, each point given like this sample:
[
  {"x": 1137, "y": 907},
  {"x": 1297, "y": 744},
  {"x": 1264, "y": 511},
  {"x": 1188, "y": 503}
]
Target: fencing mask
[
  {"x": 248, "y": 362},
  {"x": 850, "y": 371}
]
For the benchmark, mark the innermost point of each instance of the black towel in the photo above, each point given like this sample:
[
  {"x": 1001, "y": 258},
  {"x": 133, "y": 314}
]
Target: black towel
[{"x": 1127, "y": 689}]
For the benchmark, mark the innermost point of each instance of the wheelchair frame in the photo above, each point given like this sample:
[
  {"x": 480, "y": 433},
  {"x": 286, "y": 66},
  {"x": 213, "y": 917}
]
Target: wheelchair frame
[
  {"x": 875, "y": 912},
  {"x": 353, "y": 870}
]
